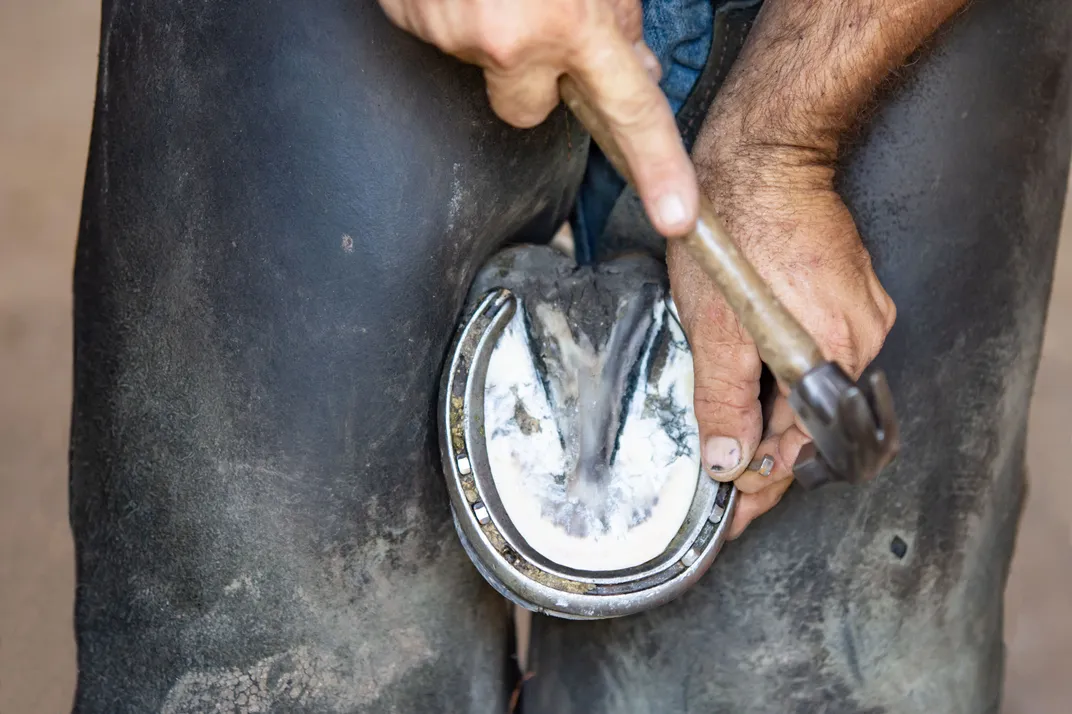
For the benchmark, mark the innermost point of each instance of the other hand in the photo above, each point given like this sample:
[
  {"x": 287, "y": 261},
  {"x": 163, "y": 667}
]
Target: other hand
[
  {"x": 780, "y": 205},
  {"x": 526, "y": 45}
]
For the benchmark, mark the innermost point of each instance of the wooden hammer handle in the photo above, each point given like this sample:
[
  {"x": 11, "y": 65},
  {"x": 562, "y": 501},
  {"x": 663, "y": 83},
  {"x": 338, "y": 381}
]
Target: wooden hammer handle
[{"x": 782, "y": 341}]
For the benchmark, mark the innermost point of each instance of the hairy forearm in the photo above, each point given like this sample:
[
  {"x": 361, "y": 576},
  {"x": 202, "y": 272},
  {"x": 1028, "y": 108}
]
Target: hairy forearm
[{"x": 811, "y": 67}]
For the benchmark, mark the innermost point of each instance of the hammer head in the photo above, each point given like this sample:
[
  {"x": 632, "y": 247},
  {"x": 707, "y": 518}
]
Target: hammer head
[{"x": 853, "y": 426}]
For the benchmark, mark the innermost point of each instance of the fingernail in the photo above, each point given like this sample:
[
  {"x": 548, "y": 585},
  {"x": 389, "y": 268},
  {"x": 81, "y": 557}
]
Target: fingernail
[
  {"x": 763, "y": 466},
  {"x": 672, "y": 211},
  {"x": 721, "y": 454}
]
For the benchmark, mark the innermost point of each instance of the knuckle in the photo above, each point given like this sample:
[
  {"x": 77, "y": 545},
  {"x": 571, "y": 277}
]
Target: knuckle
[
  {"x": 719, "y": 322},
  {"x": 872, "y": 338},
  {"x": 888, "y": 309},
  {"x": 841, "y": 343},
  {"x": 504, "y": 49},
  {"x": 723, "y": 338},
  {"x": 638, "y": 113},
  {"x": 522, "y": 100},
  {"x": 528, "y": 117},
  {"x": 510, "y": 116},
  {"x": 452, "y": 40},
  {"x": 502, "y": 37},
  {"x": 873, "y": 344},
  {"x": 726, "y": 397},
  {"x": 789, "y": 447},
  {"x": 503, "y": 105},
  {"x": 749, "y": 484},
  {"x": 853, "y": 343}
]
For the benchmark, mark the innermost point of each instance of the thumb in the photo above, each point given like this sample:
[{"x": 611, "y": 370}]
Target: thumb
[{"x": 726, "y": 366}]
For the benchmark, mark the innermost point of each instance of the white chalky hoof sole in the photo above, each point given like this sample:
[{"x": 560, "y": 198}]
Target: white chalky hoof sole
[{"x": 569, "y": 440}]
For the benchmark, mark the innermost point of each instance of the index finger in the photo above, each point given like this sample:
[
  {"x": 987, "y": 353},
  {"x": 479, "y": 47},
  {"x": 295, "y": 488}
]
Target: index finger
[{"x": 638, "y": 117}]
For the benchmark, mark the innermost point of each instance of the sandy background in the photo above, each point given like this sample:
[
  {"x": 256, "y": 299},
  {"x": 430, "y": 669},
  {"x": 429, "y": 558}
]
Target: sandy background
[{"x": 47, "y": 72}]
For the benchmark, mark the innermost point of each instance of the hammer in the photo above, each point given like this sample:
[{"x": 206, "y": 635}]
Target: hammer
[{"x": 853, "y": 425}]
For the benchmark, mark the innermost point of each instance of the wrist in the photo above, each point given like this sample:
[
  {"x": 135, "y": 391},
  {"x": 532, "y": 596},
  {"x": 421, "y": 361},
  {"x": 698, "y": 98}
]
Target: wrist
[
  {"x": 764, "y": 188},
  {"x": 735, "y": 158}
]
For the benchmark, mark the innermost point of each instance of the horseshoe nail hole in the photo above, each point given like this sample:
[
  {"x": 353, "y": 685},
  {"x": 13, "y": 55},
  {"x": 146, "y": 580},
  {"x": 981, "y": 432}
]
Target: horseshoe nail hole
[{"x": 898, "y": 547}]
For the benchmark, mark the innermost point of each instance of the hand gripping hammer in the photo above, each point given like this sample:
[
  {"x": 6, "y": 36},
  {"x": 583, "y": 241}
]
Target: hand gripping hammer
[{"x": 852, "y": 424}]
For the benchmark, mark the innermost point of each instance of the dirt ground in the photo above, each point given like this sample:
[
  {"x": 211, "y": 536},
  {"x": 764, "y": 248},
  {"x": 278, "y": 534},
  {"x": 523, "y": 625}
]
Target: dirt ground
[{"x": 47, "y": 70}]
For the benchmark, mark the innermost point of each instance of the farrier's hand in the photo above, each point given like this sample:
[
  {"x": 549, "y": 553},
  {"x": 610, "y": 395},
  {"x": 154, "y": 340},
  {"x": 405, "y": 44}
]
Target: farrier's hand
[
  {"x": 524, "y": 47},
  {"x": 792, "y": 225},
  {"x": 765, "y": 157}
]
